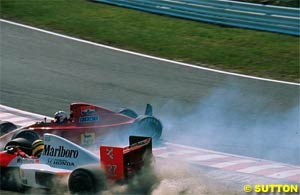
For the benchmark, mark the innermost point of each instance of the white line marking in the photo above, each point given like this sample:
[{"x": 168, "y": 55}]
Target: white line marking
[
  {"x": 189, "y": 147},
  {"x": 16, "y": 119},
  {"x": 29, "y": 114},
  {"x": 205, "y": 157},
  {"x": 172, "y": 145},
  {"x": 259, "y": 168},
  {"x": 159, "y": 149},
  {"x": 146, "y": 56},
  {"x": 6, "y": 115},
  {"x": 176, "y": 154},
  {"x": 284, "y": 174},
  {"x": 231, "y": 163},
  {"x": 25, "y": 123}
]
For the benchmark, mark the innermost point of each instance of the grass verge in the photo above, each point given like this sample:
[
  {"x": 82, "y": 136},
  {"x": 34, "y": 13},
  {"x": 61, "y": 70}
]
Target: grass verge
[{"x": 250, "y": 52}]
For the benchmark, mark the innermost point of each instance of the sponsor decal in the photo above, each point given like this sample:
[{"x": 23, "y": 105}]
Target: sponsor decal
[
  {"x": 60, "y": 162},
  {"x": 109, "y": 153},
  {"x": 47, "y": 138},
  {"x": 88, "y": 114},
  {"x": 86, "y": 119},
  {"x": 112, "y": 170},
  {"x": 87, "y": 110},
  {"x": 21, "y": 160},
  {"x": 87, "y": 139},
  {"x": 60, "y": 151}
]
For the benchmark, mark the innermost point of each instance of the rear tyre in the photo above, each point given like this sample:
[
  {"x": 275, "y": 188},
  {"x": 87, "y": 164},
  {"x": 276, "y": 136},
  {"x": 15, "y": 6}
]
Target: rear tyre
[
  {"x": 87, "y": 180},
  {"x": 129, "y": 112},
  {"x": 6, "y": 127},
  {"x": 148, "y": 126},
  {"x": 27, "y": 134}
]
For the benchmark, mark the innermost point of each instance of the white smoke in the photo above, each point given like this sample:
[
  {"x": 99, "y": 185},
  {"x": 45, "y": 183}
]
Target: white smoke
[
  {"x": 228, "y": 120},
  {"x": 233, "y": 121}
]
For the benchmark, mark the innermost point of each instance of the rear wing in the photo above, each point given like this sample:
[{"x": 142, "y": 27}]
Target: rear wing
[{"x": 122, "y": 162}]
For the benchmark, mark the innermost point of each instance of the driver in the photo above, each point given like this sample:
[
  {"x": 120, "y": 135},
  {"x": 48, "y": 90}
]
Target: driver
[
  {"x": 37, "y": 148},
  {"x": 60, "y": 117}
]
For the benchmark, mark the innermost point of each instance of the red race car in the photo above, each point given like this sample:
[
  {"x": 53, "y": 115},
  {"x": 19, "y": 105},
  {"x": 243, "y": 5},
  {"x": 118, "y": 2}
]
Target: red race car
[{"x": 87, "y": 123}]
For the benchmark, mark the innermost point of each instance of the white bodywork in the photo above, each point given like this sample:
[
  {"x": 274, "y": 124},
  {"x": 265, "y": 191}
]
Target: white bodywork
[
  {"x": 59, "y": 158},
  {"x": 28, "y": 174}
]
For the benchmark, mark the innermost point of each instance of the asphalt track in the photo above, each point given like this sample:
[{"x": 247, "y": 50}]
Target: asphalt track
[{"x": 42, "y": 73}]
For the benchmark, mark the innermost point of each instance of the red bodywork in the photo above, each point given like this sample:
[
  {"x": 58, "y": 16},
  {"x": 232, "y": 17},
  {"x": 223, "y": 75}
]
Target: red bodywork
[
  {"x": 123, "y": 162},
  {"x": 86, "y": 123},
  {"x": 6, "y": 157}
]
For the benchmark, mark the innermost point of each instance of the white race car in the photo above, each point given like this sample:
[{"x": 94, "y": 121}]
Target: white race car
[{"x": 62, "y": 160}]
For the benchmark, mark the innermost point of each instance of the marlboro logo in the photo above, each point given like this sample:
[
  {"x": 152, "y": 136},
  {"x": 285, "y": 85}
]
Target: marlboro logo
[{"x": 60, "y": 152}]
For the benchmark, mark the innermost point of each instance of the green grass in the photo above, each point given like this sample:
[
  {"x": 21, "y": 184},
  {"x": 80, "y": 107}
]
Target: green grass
[{"x": 251, "y": 52}]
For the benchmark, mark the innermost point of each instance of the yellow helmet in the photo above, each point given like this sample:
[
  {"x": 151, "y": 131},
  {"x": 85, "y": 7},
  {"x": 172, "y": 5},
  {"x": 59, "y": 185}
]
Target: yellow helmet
[{"x": 37, "y": 147}]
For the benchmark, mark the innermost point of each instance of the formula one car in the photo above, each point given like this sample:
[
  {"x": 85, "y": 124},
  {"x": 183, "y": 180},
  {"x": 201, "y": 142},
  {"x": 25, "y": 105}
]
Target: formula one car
[
  {"x": 87, "y": 123},
  {"x": 46, "y": 164}
]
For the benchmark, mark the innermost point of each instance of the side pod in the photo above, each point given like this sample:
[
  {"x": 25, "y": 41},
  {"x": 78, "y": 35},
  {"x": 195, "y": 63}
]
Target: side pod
[{"x": 122, "y": 162}]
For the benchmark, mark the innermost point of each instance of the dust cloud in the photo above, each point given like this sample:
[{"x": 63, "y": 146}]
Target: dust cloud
[{"x": 171, "y": 178}]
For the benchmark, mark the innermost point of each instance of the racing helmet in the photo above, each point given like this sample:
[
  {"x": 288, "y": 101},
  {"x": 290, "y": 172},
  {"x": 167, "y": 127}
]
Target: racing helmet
[
  {"x": 60, "y": 116},
  {"x": 37, "y": 147}
]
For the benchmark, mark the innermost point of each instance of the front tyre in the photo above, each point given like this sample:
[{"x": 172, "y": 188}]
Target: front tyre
[
  {"x": 148, "y": 126},
  {"x": 129, "y": 112},
  {"x": 10, "y": 179},
  {"x": 87, "y": 180}
]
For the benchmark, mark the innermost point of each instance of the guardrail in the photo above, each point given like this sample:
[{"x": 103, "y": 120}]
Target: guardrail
[{"x": 239, "y": 14}]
